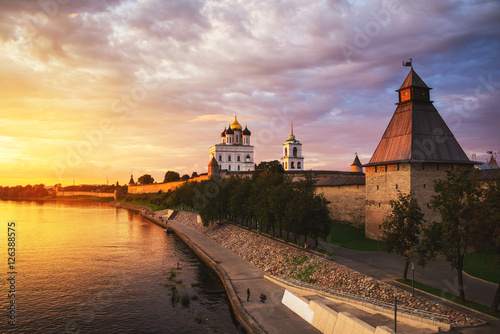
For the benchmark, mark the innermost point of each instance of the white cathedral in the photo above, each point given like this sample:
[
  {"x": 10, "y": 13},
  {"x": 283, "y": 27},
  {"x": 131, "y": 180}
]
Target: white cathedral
[{"x": 234, "y": 153}]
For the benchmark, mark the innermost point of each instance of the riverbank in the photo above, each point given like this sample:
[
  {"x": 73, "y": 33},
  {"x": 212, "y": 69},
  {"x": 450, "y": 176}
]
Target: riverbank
[
  {"x": 237, "y": 275},
  {"x": 279, "y": 259},
  {"x": 92, "y": 199}
]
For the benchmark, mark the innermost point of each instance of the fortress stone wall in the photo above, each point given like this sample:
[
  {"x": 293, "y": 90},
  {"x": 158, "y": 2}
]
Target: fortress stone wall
[
  {"x": 62, "y": 193},
  {"x": 164, "y": 187},
  {"x": 382, "y": 185},
  {"x": 347, "y": 203}
]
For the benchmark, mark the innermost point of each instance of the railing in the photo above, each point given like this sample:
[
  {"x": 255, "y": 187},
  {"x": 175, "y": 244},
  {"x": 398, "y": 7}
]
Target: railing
[{"x": 413, "y": 314}]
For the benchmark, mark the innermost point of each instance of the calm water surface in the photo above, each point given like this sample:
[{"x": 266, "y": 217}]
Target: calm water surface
[{"x": 91, "y": 268}]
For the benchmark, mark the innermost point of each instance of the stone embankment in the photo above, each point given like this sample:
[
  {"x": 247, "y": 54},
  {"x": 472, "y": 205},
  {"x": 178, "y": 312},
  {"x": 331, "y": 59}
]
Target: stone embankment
[{"x": 279, "y": 259}]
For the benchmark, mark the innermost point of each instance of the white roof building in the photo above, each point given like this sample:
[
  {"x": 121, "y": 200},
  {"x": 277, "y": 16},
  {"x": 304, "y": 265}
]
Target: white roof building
[{"x": 234, "y": 153}]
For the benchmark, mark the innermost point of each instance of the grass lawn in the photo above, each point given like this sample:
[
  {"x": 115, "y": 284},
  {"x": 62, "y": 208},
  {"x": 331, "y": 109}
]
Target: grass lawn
[
  {"x": 77, "y": 198},
  {"x": 153, "y": 207},
  {"x": 351, "y": 237},
  {"x": 454, "y": 298},
  {"x": 482, "y": 267}
]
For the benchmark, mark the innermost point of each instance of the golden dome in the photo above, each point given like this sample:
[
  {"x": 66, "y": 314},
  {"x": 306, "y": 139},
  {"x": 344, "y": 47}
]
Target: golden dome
[{"x": 236, "y": 126}]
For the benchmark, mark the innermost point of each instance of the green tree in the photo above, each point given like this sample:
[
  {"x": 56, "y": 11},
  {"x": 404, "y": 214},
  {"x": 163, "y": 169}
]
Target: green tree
[
  {"x": 267, "y": 176},
  {"x": 183, "y": 195},
  {"x": 300, "y": 209},
  {"x": 240, "y": 190},
  {"x": 458, "y": 200},
  {"x": 268, "y": 167},
  {"x": 171, "y": 176},
  {"x": 194, "y": 174},
  {"x": 146, "y": 179},
  {"x": 487, "y": 240},
  {"x": 185, "y": 177},
  {"x": 319, "y": 219},
  {"x": 402, "y": 228},
  {"x": 279, "y": 196},
  {"x": 215, "y": 204}
]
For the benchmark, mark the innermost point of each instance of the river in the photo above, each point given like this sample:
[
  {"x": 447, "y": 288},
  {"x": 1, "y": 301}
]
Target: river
[{"x": 92, "y": 268}]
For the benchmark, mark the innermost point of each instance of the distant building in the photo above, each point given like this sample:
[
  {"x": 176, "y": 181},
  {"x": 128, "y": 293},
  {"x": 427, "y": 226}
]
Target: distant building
[
  {"x": 234, "y": 153},
  {"x": 292, "y": 153},
  {"x": 492, "y": 164}
]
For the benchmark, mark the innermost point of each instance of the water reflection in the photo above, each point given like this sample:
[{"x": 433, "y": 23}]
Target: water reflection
[{"x": 85, "y": 267}]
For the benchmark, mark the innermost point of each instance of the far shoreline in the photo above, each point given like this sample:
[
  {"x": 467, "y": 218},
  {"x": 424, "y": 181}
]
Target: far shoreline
[{"x": 89, "y": 199}]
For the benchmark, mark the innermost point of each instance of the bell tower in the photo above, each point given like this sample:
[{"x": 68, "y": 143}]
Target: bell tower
[{"x": 292, "y": 153}]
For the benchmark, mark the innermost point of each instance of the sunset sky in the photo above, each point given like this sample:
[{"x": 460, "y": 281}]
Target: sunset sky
[{"x": 94, "y": 90}]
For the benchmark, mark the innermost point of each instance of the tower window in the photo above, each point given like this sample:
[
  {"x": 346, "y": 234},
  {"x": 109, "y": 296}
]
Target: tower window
[
  {"x": 298, "y": 165},
  {"x": 386, "y": 168},
  {"x": 424, "y": 185},
  {"x": 396, "y": 186},
  {"x": 295, "y": 152},
  {"x": 292, "y": 165},
  {"x": 229, "y": 158},
  {"x": 248, "y": 157},
  {"x": 377, "y": 186},
  {"x": 286, "y": 151},
  {"x": 379, "y": 204},
  {"x": 376, "y": 169},
  {"x": 238, "y": 158},
  {"x": 238, "y": 168},
  {"x": 286, "y": 165},
  {"x": 220, "y": 157},
  {"x": 229, "y": 167},
  {"x": 398, "y": 166}
]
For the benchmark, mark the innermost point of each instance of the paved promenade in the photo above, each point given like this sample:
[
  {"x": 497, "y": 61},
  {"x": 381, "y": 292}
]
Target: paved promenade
[{"x": 271, "y": 315}]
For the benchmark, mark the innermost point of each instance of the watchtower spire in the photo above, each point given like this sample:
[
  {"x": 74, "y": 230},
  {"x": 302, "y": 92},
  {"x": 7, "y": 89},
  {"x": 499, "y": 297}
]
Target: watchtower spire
[
  {"x": 291, "y": 137},
  {"x": 414, "y": 122}
]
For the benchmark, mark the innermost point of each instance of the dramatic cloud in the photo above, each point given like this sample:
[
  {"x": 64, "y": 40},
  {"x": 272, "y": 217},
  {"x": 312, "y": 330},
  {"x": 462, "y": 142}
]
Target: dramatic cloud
[{"x": 96, "y": 89}]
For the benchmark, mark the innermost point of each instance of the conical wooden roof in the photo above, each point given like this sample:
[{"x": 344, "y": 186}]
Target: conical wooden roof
[
  {"x": 356, "y": 161},
  {"x": 413, "y": 80},
  {"x": 417, "y": 133}
]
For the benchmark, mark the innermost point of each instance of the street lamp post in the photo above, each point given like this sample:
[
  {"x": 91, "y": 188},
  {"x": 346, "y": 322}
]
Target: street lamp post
[
  {"x": 395, "y": 311},
  {"x": 412, "y": 279},
  {"x": 378, "y": 238}
]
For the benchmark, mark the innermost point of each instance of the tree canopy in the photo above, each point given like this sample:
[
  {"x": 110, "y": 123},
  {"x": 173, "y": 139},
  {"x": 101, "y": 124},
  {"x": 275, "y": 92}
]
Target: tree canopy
[
  {"x": 171, "y": 176},
  {"x": 458, "y": 200},
  {"x": 402, "y": 228},
  {"x": 487, "y": 240},
  {"x": 146, "y": 179}
]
